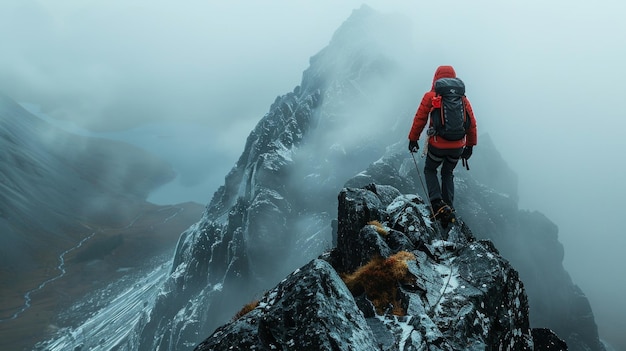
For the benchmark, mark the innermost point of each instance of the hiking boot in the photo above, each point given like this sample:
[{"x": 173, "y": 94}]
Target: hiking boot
[
  {"x": 438, "y": 206},
  {"x": 443, "y": 212}
]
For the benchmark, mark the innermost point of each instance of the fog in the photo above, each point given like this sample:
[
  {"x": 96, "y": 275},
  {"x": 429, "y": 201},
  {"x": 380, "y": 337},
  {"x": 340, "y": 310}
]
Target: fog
[{"x": 546, "y": 81}]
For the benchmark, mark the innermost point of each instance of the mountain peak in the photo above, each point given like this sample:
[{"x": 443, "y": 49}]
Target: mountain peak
[
  {"x": 277, "y": 208},
  {"x": 367, "y": 42}
]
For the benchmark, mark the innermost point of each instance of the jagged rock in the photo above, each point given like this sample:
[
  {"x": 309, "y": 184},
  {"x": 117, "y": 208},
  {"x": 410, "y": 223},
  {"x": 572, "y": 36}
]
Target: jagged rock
[
  {"x": 310, "y": 310},
  {"x": 545, "y": 339},
  {"x": 275, "y": 211},
  {"x": 528, "y": 240},
  {"x": 450, "y": 296},
  {"x": 279, "y": 198}
]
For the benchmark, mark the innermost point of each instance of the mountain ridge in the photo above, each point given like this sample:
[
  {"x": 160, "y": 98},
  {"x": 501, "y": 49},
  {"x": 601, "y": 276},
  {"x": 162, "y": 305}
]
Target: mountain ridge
[
  {"x": 417, "y": 287},
  {"x": 275, "y": 209}
]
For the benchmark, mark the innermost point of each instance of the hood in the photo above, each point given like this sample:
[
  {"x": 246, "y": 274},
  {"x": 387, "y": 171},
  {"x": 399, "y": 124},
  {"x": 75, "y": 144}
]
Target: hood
[{"x": 443, "y": 72}]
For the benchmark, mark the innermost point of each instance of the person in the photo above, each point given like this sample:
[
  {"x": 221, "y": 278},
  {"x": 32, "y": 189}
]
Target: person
[{"x": 441, "y": 152}]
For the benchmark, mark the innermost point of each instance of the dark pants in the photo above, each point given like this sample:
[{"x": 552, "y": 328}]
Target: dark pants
[{"x": 447, "y": 159}]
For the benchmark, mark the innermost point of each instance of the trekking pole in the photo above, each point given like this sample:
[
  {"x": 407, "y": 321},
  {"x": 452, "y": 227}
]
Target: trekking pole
[{"x": 422, "y": 182}]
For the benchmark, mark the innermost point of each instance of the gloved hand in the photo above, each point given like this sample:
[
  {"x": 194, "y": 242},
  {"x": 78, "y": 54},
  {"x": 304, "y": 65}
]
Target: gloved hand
[
  {"x": 467, "y": 152},
  {"x": 413, "y": 146}
]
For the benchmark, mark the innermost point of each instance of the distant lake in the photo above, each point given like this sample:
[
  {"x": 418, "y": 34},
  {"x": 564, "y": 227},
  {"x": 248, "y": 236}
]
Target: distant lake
[{"x": 187, "y": 147}]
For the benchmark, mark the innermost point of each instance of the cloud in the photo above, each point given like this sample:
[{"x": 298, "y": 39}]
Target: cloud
[{"x": 117, "y": 64}]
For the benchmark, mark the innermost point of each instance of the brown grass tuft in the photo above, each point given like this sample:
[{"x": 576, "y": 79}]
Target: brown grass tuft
[
  {"x": 379, "y": 227},
  {"x": 379, "y": 280},
  {"x": 245, "y": 309}
]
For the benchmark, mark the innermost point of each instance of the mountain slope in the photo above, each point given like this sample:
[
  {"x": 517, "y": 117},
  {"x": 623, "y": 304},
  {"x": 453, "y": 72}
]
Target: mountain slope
[
  {"x": 50, "y": 178},
  {"x": 72, "y": 213},
  {"x": 275, "y": 210}
]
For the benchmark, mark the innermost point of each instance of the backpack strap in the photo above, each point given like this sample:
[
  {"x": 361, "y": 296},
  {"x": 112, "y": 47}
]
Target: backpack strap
[{"x": 466, "y": 119}]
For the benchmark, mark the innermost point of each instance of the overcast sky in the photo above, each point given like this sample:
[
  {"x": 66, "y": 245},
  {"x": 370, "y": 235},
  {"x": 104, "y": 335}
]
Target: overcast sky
[{"x": 547, "y": 81}]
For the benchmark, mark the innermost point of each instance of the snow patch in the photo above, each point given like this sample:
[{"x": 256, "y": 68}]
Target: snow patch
[
  {"x": 404, "y": 323},
  {"x": 483, "y": 321},
  {"x": 179, "y": 272}
]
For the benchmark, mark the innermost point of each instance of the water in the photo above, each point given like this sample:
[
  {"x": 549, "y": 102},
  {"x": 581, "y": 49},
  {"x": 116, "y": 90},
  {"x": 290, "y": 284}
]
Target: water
[{"x": 191, "y": 149}]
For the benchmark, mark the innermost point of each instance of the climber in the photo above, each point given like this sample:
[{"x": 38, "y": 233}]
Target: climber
[{"x": 451, "y": 116}]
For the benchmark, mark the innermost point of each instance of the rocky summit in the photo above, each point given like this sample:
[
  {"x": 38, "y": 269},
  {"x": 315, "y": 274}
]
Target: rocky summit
[{"x": 396, "y": 280}]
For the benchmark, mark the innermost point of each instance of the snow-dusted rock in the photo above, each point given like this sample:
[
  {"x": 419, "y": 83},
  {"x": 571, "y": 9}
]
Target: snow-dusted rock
[
  {"x": 276, "y": 209},
  {"x": 528, "y": 240},
  {"x": 311, "y": 309},
  {"x": 455, "y": 294}
]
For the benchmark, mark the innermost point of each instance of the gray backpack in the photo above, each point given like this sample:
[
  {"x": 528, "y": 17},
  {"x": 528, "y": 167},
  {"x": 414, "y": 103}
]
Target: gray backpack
[{"x": 449, "y": 116}]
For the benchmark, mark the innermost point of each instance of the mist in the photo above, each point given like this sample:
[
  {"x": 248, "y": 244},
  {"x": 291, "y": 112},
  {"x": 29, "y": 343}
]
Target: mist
[{"x": 545, "y": 81}]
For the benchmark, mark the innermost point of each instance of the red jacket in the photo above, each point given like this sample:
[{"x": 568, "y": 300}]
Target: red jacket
[{"x": 421, "y": 117}]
